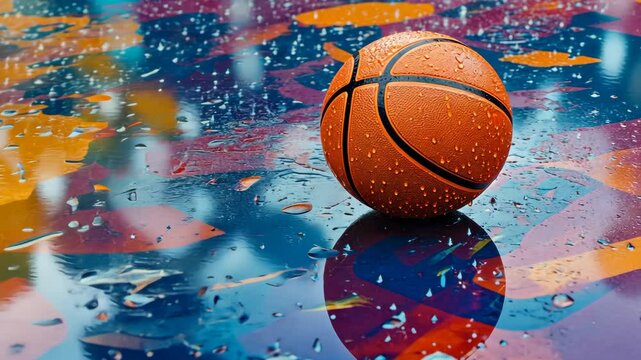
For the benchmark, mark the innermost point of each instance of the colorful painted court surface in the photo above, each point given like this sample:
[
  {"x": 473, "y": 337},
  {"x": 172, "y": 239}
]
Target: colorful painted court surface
[{"x": 163, "y": 192}]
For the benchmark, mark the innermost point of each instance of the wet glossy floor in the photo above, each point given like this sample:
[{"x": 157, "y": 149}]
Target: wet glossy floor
[{"x": 163, "y": 193}]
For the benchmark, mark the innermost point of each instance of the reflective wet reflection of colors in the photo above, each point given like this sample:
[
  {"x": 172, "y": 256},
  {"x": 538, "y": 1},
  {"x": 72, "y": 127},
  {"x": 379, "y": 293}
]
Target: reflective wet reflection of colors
[{"x": 163, "y": 193}]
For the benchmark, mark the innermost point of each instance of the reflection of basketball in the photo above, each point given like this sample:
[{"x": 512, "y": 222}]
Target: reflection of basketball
[
  {"x": 408, "y": 289},
  {"x": 416, "y": 124}
]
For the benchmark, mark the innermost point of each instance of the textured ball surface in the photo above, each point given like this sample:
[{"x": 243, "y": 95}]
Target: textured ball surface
[{"x": 416, "y": 125}]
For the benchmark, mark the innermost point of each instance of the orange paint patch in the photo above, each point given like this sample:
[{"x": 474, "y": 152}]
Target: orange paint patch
[
  {"x": 298, "y": 208},
  {"x": 450, "y": 336},
  {"x": 336, "y": 53},
  {"x": 102, "y": 316},
  {"x": 6, "y": 6},
  {"x": 365, "y": 14},
  {"x": 486, "y": 276},
  {"x": 98, "y": 98},
  {"x": 547, "y": 6},
  {"x": 549, "y": 58},
  {"x": 35, "y": 147},
  {"x": 245, "y": 183},
  {"x": 125, "y": 230},
  {"x": 617, "y": 169},
  {"x": 100, "y": 187},
  {"x": 11, "y": 288}
]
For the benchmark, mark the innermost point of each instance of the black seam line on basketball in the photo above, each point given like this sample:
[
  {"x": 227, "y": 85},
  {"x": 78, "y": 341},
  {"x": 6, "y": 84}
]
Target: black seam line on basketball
[
  {"x": 401, "y": 143},
  {"x": 345, "y": 139},
  {"x": 415, "y": 155},
  {"x": 388, "y": 78},
  {"x": 442, "y": 82},
  {"x": 425, "y": 80},
  {"x": 353, "y": 83},
  {"x": 438, "y": 80}
]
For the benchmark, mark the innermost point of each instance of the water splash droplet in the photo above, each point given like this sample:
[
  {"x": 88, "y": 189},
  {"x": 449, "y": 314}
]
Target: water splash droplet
[
  {"x": 318, "y": 252},
  {"x": 395, "y": 321},
  {"x": 562, "y": 301}
]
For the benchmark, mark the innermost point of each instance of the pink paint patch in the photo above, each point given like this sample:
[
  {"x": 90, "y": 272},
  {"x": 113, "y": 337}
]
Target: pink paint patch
[
  {"x": 540, "y": 98},
  {"x": 20, "y": 306},
  {"x": 585, "y": 143},
  {"x": 292, "y": 89},
  {"x": 537, "y": 345},
  {"x": 271, "y": 12},
  {"x": 81, "y": 181},
  {"x": 629, "y": 13},
  {"x": 604, "y": 213}
]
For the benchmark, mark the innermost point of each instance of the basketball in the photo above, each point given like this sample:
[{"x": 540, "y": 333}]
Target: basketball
[{"x": 416, "y": 125}]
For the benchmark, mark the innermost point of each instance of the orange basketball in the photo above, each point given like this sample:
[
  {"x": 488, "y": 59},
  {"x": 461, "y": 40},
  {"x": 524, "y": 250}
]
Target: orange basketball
[{"x": 416, "y": 124}]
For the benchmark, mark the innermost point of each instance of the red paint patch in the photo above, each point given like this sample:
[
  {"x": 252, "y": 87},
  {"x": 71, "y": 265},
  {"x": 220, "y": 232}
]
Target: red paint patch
[{"x": 245, "y": 150}]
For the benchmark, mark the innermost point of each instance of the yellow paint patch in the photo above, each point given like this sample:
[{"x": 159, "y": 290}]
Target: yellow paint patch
[
  {"x": 81, "y": 36},
  {"x": 40, "y": 145},
  {"x": 14, "y": 72},
  {"x": 549, "y": 58},
  {"x": 365, "y": 14},
  {"x": 480, "y": 245},
  {"x": 98, "y": 98},
  {"x": 346, "y": 303},
  {"x": 336, "y": 53},
  {"x": 617, "y": 169},
  {"x": 155, "y": 109},
  {"x": 556, "y": 275},
  {"x": 253, "y": 280},
  {"x": 16, "y": 24}
]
